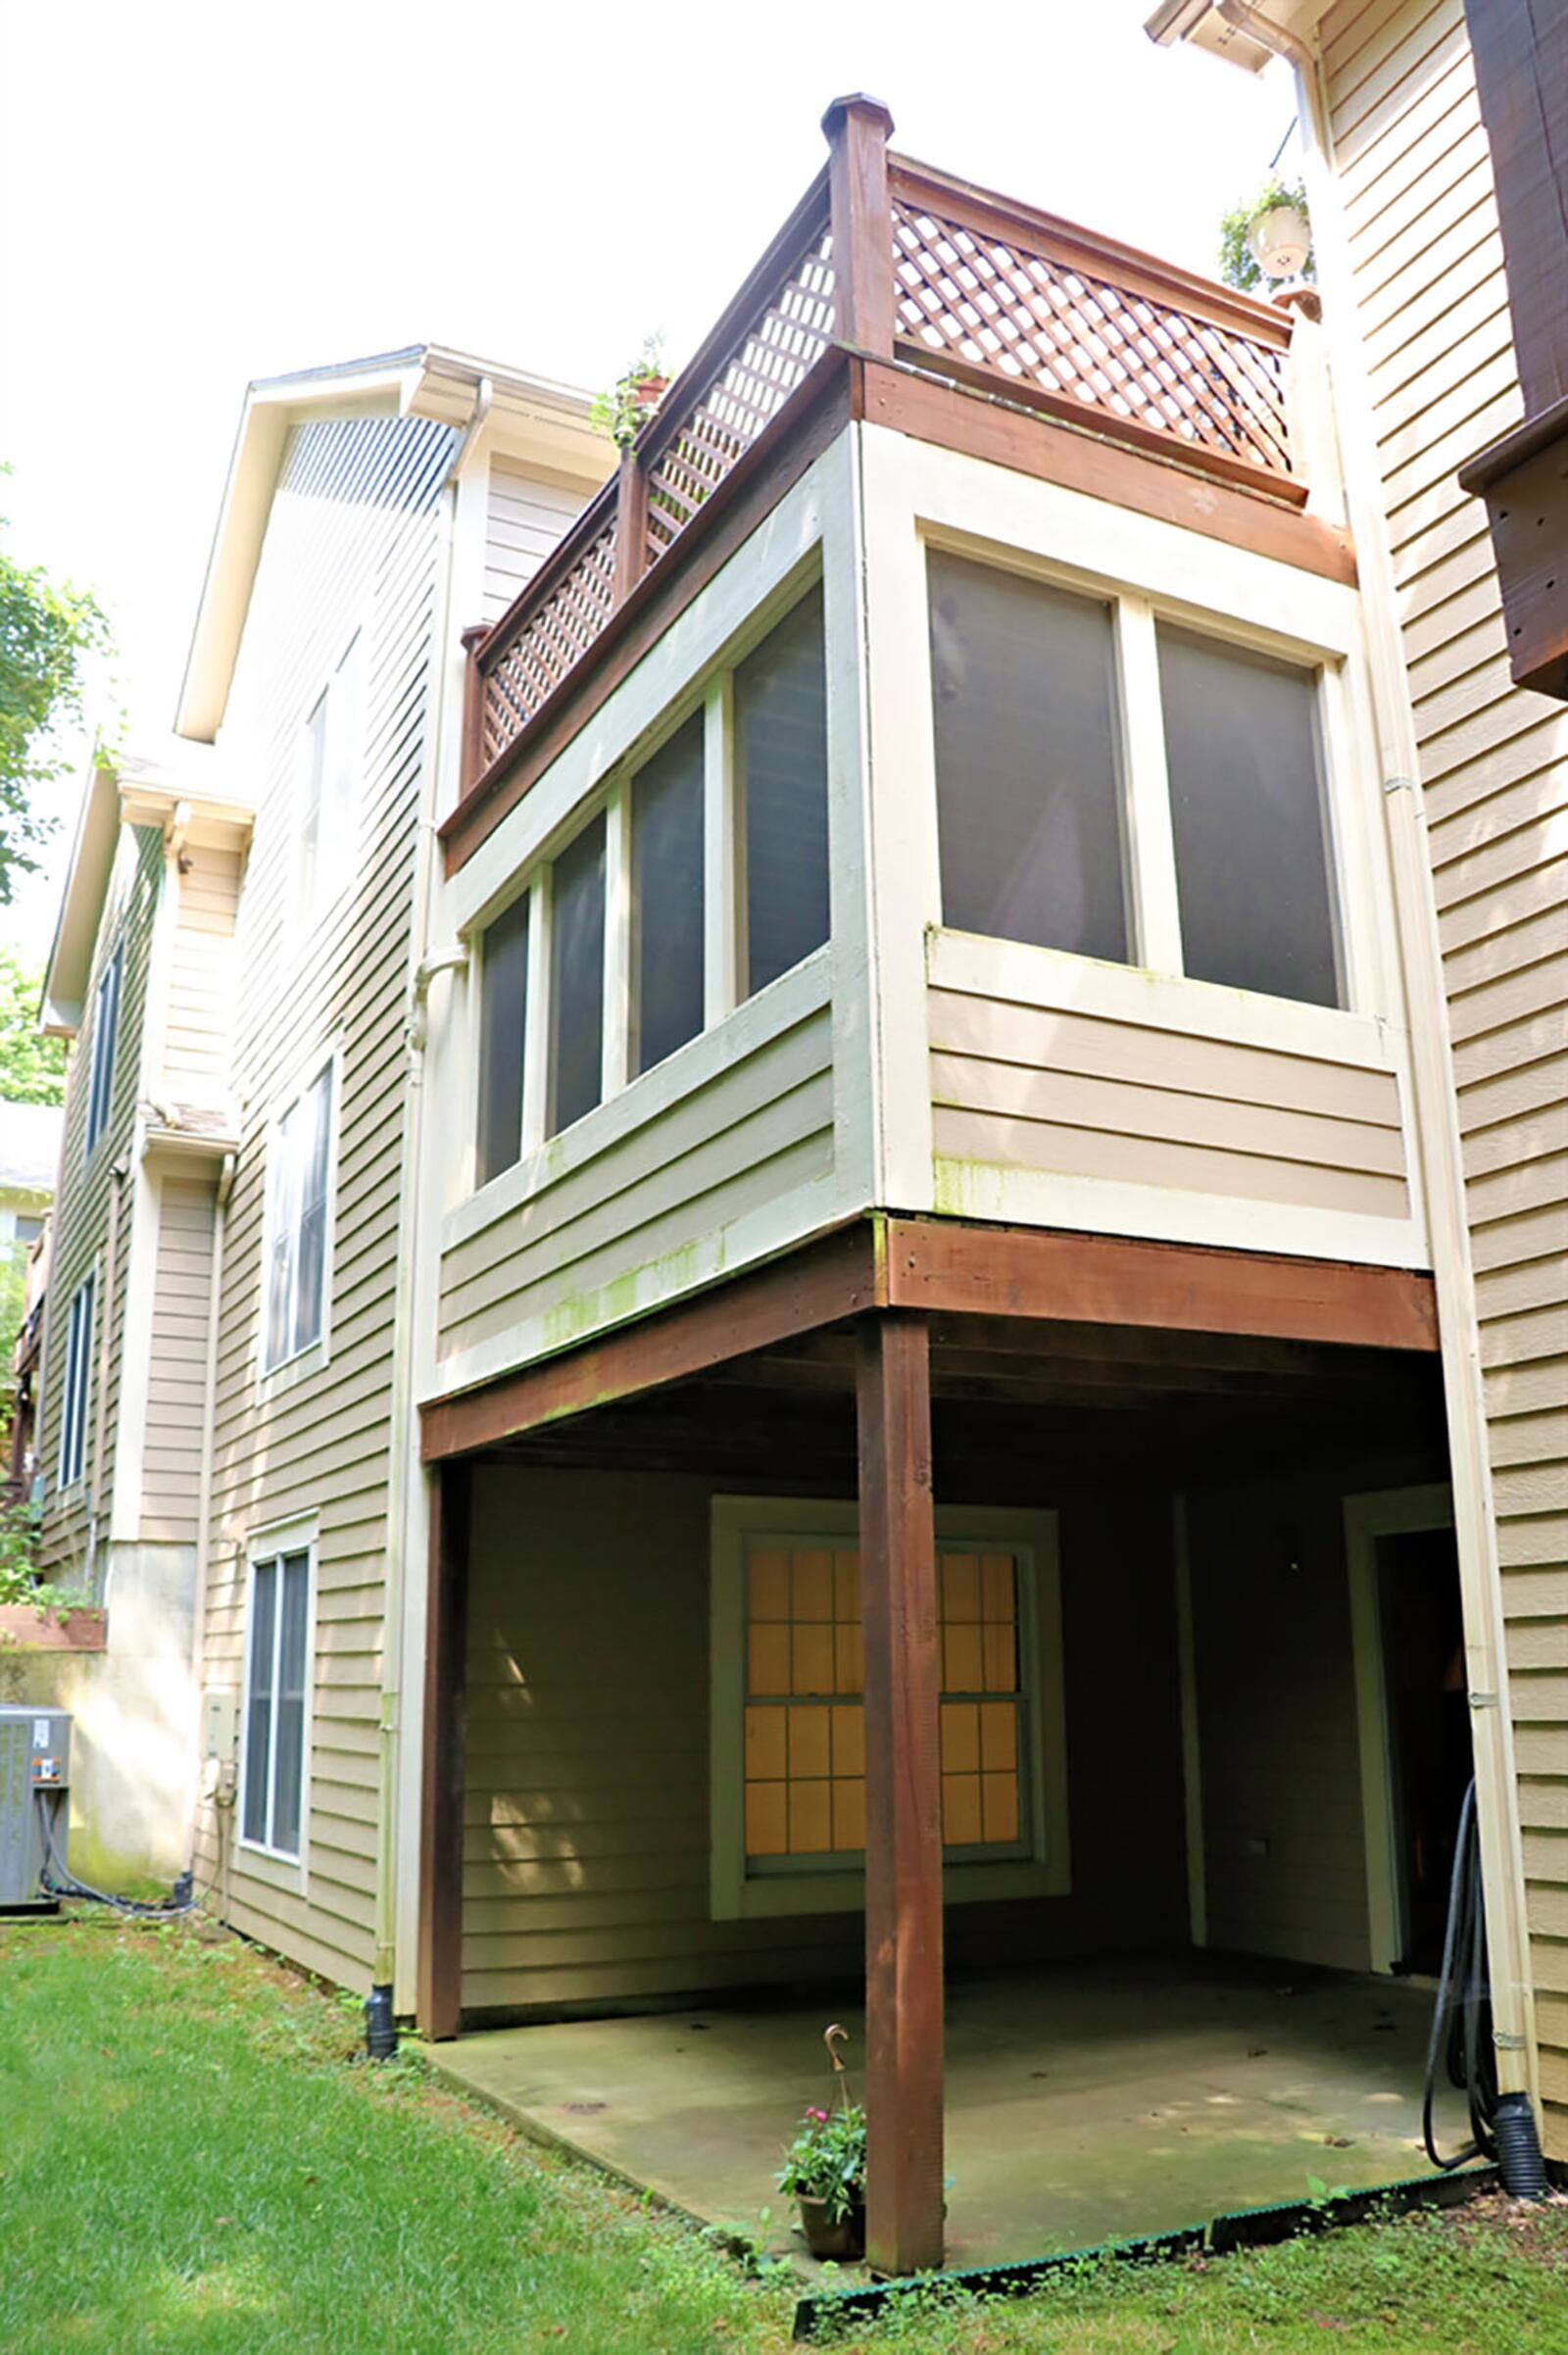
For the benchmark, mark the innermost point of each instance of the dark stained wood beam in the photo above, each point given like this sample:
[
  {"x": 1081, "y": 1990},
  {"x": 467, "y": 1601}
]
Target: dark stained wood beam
[
  {"x": 439, "y": 1985},
  {"x": 904, "y": 2069},
  {"x": 943, "y": 1266}
]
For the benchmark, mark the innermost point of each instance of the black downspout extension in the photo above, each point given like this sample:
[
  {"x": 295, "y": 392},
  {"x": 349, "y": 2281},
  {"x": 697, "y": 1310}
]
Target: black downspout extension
[
  {"x": 1502, "y": 2126},
  {"x": 380, "y": 2028}
]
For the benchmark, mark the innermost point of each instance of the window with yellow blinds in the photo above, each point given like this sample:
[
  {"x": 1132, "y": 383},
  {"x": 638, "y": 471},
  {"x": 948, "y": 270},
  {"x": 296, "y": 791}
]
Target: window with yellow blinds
[{"x": 805, "y": 1736}]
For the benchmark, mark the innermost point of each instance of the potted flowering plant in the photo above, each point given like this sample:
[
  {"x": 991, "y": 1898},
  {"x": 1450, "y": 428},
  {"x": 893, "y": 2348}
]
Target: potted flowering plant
[
  {"x": 623, "y": 412},
  {"x": 824, "y": 2169}
]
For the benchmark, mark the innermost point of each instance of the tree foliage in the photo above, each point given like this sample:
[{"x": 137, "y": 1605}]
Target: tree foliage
[
  {"x": 47, "y": 632},
  {"x": 1236, "y": 265},
  {"x": 32, "y": 1070}
]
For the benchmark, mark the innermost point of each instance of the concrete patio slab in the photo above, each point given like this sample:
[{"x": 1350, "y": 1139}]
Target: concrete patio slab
[{"x": 1083, "y": 2104}]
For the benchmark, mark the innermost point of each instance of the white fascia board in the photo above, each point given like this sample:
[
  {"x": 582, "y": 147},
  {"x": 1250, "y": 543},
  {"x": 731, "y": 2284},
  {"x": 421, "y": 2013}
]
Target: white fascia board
[
  {"x": 92, "y": 858},
  {"x": 1198, "y": 24}
]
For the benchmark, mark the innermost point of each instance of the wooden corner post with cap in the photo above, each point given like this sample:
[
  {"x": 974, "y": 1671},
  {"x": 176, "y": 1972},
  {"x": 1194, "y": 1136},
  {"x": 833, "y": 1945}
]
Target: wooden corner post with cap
[{"x": 857, "y": 129}]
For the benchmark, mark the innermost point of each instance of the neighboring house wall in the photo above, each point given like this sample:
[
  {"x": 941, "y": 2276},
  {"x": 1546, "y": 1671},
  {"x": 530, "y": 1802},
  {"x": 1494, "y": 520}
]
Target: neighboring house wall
[
  {"x": 82, "y": 1233},
  {"x": 527, "y": 510},
  {"x": 352, "y": 544},
  {"x": 1415, "y": 177},
  {"x": 199, "y": 1020},
  {"x": 176, "y": 1365}
]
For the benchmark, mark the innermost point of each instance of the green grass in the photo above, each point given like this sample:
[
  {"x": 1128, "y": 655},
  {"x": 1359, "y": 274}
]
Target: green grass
[{"x": 192, "y": 2159}]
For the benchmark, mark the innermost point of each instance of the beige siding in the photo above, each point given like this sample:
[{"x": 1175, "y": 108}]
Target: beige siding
[
  {"x": 82, "y": 1217},
  {"x": 660, "y": 1188},
  {"x": 1413, "y": 162},
  {"x": 352, "y": 543},
  {"x": 201, "y": 982},
  {"x": 586, "y": 1841},
  {"x": 527, "y": 511},
  {"x": 1031, "y": 1086},
  {"x": 176, "y": 1365},
  {"x": 1284, "y": 1859}
]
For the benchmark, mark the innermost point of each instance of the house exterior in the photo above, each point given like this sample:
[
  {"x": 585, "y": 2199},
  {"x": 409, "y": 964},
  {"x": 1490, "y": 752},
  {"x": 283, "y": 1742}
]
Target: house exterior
[
  {"x": 30, "y": 1154},
  {"x": 1437, "y": 203},
  {"x": 837, "y": 1331}
]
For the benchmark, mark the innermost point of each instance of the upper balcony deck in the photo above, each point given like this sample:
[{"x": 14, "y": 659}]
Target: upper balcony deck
[
  {"x": 933, "y": 777},
  {"x": 891, "y": 279}
]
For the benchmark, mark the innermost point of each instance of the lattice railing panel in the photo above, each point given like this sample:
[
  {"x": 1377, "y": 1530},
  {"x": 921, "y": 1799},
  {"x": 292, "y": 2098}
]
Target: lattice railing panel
[
  {"x": 768, "y": 361},
  {"x": 531, "y": 665},
  {"x": 967, "y": 294}
]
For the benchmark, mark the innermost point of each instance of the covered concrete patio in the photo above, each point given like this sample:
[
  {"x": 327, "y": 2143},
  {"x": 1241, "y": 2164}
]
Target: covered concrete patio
[{"x": 1083, "y": 2104}]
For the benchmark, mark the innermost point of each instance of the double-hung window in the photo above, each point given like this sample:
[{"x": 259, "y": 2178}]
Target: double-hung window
[
  {"x": 272, "y": 1799},
  {"x": 78, "y": 1378},
  {"x": 298, "y": 1219},
  {"x": 789, "y": 1764},
  {"x": 105, "y": 1024}
]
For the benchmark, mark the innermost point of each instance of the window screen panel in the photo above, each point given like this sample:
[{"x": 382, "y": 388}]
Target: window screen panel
[
  {"x": 667, "y": 852},
  {"x": 289, "y": 1706},
  {"x": 106, "y": 1023},
  {"x": 503, "y": 1032},
  {"x": 577, "y": 978},
  {"x": 1248, "y": 820},
  {"x": 258, "y": 1701},
  {"x": 781, "y": 753},
  {"x": 1028, "y": 784},
  {"x": 314, "y": 1141}
]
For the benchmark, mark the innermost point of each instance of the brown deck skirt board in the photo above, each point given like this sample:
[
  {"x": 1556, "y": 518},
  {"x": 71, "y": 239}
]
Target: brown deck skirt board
[{"x": 944, "y": 1267}]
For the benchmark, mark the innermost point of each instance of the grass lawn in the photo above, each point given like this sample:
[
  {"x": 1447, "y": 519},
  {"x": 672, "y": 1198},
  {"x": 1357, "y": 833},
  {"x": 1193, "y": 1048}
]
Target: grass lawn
[{"x": 192, "y": 2159}]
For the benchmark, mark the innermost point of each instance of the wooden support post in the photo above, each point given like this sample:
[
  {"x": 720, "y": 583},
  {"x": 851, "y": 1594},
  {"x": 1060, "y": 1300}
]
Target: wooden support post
[
  {"x": 439, "y": 1992},
  {"x": 857, "y": 129},
  {"x": 903, "y": 1799},
  {"x": 472, "y": 759},
  {"x": 631, "y": 527}
]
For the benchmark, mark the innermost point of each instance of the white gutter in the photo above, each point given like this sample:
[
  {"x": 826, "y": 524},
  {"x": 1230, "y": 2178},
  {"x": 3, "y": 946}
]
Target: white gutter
[
  {"x": 402, "y": 1467},
  {"x": 1435, "y": 1106}
]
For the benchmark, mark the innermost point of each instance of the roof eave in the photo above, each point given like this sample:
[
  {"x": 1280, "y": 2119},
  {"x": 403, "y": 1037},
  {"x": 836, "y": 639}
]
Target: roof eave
[{"x": 92, "y": 858}]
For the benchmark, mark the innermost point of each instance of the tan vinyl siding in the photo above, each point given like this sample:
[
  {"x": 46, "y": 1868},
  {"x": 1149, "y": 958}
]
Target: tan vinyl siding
[
  {"x": 82, "y": 1216},
  {"x": 1284, "y": 1859},
  {"x": 608, "y": 1226},
  {"x": 586, "y": 1807},
  {"x": 1032, "y": 1088},
  {"x": 177, "y": 1366},
  {"x": 201, "y": 984},
  {"x": 1414, "y": 168},
  {"x": 527, "y": 511},
  {"x": 352, "y": 544}
]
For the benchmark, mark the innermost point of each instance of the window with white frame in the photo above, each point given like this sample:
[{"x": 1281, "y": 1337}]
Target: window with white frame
[
  {"x": 105, "y": 1026},
  {"x": 276, "y": 1668},
  {"x": 298, "y": 1218},
  {"x": 789, "y": 1763},
  {"x": 1037, "y": 779},
  {"x": 612, "y": 959},
  {"x": 77, "y": 1383},
  {"x": 329, "y": 756}
]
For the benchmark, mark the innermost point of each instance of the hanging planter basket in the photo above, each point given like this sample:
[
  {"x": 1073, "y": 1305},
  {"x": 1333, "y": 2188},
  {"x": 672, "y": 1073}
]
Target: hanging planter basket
[{"x": 1279, "y": 240}]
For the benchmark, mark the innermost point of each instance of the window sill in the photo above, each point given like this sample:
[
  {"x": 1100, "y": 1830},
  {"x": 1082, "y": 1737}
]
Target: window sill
[
  {"x": 279, "y": 1379},
  {"x": 285, "y": 1872},
  {"x": 767, "y": 1897}
]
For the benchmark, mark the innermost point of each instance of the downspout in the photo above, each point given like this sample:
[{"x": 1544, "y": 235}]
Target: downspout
[
  {"x": 1436, "y": 1114},
  {"x": 380, "y": 2028},
  {"x": 105, "y": 1320},
  {"x": 223, "y": 1792}
]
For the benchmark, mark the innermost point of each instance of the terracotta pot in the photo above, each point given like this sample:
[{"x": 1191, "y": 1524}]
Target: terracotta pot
[{"x": 824, "y": 2237}]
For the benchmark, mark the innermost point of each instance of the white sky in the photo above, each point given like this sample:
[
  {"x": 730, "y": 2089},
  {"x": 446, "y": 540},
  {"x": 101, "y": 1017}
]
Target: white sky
[{"x": 197, "y": 192}]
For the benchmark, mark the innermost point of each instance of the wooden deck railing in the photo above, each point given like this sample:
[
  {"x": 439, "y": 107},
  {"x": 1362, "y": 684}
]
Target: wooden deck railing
[{"x": 888, "y": 260}]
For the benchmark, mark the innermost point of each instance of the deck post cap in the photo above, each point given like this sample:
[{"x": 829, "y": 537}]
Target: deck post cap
[{"x": 855, "y": 102}]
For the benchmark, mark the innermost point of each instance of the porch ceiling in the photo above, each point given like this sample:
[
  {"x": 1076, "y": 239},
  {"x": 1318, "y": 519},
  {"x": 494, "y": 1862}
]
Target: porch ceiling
[{"x": 1049, "y": 1405}]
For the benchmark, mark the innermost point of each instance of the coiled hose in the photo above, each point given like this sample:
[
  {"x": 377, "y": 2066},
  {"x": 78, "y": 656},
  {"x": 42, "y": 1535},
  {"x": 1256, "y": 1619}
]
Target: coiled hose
[{"x": 1502, "y": 2126}]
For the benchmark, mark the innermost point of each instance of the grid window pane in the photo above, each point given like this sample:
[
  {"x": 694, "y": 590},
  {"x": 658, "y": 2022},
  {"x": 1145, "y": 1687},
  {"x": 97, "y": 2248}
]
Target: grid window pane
[
  {"x": 804, "y": 1726},
  {"x": 781, "y": 753},
  {"x": 666, "y": 896},
  {"x": 1028, "y": 785},
  {"x": 503, "y": 1028},
  {"x": 1248, "y": 820},
  {"x": 577, "y": 978}
]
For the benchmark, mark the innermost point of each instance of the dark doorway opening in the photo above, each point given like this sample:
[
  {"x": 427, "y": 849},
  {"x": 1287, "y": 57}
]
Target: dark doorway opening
[{"x": 1428, "y": 1717}]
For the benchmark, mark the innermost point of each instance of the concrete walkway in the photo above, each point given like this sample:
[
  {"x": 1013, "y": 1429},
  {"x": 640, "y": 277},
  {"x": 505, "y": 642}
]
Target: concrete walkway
[{"x": 1083, "y": 2104}]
